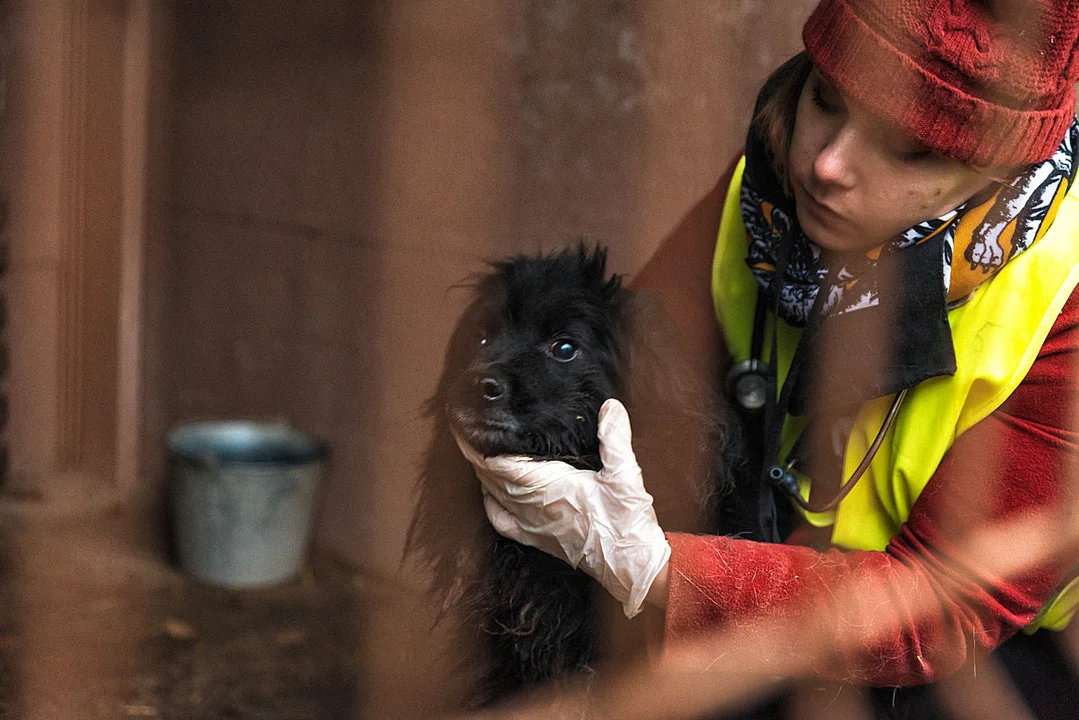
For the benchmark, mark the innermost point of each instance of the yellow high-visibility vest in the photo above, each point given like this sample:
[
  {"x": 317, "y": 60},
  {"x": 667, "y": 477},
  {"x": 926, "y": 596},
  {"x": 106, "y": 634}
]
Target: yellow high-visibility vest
[{"x": 997, "y": 335}]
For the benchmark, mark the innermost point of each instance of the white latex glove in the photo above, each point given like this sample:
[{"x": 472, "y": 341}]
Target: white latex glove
[{"x": 602, "y": 522}]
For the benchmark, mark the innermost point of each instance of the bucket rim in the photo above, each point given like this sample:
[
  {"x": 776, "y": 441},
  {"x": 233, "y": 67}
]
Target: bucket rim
[{"x": 247, "y": 443}]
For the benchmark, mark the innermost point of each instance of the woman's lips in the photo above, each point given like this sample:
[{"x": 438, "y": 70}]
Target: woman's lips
[{"x": 818, "y": 210}]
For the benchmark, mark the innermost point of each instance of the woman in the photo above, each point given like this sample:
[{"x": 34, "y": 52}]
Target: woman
[{"x": 908, "y": 206}]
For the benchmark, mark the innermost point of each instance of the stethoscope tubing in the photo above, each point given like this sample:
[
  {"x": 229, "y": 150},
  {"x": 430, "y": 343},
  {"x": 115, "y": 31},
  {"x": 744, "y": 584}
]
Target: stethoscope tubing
[{"x": 867, "y": 459}]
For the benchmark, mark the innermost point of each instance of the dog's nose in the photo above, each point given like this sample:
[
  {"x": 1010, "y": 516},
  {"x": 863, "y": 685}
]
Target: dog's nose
[{"x": 490, "y": 388}]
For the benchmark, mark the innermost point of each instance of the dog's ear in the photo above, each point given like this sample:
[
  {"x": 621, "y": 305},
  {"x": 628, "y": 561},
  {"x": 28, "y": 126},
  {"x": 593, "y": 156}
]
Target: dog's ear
[
  {"x": 451, "y": 542},
  {"x": 677, "y": 426},
  {"x": 449, "y": 536}
]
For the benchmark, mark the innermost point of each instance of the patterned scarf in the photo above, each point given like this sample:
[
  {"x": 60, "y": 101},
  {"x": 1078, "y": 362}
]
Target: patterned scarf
[{"x": 917, "y": 265}]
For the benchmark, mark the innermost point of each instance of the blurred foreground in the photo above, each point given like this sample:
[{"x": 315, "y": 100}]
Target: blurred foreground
[{"x": 94, "y": 625}]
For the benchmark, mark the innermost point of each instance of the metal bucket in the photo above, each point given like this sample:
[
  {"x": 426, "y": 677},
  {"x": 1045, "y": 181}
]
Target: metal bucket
[{"x": 243, "y": 496}]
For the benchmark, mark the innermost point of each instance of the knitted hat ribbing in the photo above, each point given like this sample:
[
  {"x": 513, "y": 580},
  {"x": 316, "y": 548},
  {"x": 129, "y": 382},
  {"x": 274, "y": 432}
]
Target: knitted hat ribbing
[{"x": 988, "y": 82}]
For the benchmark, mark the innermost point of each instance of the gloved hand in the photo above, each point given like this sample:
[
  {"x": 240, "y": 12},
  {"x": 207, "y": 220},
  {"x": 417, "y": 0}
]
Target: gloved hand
[{"x": 602, "y": 522}]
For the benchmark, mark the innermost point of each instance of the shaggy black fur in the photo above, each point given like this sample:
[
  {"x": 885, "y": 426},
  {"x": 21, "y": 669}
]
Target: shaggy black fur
[{"x": 544, "y": 342}]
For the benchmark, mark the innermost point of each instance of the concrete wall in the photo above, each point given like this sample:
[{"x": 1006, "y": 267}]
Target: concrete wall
[
  {"x": 32, "y": 127},
  {"x": 338, "y": 167},
  {"x": 63, "y": 97}
]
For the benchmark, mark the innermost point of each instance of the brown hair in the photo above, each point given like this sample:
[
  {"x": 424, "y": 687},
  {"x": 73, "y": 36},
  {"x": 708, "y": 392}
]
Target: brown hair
[
  {"x": 777, "y": 106},
  {"x": 773, "y": 119}
]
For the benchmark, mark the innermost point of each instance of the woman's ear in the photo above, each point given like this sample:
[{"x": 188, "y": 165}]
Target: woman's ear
[{"x": 1000, "y": 175}]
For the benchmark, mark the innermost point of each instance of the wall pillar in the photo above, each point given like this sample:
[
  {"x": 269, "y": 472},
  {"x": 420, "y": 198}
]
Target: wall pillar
[{"x": 75, "y": 160}]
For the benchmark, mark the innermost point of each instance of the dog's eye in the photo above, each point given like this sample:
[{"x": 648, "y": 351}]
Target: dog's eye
[
  {"x": 483, "y": 339},
  {"x": 563, "y": 350}
]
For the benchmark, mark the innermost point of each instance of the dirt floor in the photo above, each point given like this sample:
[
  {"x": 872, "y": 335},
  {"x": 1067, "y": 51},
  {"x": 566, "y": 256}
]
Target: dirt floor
[
  {"x": 206, "y": 653},
  {"x": 95, "y": 623}
]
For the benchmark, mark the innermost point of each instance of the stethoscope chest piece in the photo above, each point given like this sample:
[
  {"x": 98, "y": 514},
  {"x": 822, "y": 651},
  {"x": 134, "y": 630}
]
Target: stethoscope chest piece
[{"x": 747, "y": 385}]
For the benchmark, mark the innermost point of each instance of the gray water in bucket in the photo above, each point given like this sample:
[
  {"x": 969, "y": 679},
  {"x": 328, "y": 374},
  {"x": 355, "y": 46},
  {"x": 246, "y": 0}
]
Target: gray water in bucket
[{"x": 243, "y": 497}]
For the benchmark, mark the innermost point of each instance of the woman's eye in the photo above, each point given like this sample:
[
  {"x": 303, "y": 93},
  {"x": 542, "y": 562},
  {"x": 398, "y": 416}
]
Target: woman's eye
[
  {"x": 915, "y": 155},
  {"x": 563, "y": 350},
  {"x": 822, "y": 104}
]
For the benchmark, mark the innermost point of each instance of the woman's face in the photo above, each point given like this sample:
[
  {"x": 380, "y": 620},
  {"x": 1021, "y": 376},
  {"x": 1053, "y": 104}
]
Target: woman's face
[{"x": 858, "y": 182}]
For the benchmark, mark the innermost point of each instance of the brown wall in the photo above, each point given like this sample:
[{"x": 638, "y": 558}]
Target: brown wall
[
  {"x": 33, "y": 126},
  {"x": 338, "y": 169},
  {"x": 62, "y": 127}
]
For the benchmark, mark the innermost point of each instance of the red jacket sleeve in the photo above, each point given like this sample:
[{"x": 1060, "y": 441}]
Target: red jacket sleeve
[{"x": 932, "y": 602}]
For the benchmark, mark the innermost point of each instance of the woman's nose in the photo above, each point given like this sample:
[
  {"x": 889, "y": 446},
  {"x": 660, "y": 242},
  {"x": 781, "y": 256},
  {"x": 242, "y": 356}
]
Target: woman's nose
[{"x": 834, "y": 163}]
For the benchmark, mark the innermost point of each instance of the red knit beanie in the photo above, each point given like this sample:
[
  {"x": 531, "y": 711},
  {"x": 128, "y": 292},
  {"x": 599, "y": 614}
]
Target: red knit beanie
[{"x": 988, "y": 82}]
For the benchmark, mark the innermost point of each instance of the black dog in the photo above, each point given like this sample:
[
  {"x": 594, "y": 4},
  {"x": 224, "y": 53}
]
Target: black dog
[{"x": 545, "y": 341}]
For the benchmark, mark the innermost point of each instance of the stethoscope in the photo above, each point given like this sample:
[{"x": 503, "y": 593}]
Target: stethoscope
[{"x": 752, "y": 388}]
